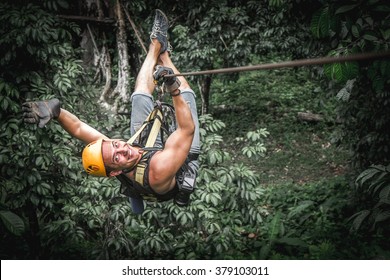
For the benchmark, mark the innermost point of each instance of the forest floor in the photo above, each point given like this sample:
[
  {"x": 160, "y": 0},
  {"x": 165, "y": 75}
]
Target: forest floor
[{"x": 297, "y": 151}]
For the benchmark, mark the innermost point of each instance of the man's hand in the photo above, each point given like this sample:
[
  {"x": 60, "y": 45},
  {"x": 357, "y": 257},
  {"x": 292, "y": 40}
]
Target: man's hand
[
  {"x": 171, "y": 84},
  {"x": 41, "y": 112}
]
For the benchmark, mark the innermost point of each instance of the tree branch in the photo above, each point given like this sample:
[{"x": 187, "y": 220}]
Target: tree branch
[{"x": 108, "y": 21}]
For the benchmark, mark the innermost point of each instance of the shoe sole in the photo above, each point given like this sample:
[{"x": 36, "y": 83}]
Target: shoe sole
[{"x": 162, "y": 13}]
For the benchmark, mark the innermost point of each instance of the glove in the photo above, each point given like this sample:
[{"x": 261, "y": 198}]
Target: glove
[
  {"x": 41, "y": 112},
  {"x": 171, "y": 84}
]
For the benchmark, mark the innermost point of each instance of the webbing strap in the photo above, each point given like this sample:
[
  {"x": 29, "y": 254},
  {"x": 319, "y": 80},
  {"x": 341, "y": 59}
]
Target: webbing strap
[
  {"x": 155, "y": 116},
  {"x": 140, "y": 172},
  {"x": 155, "y": 129}
]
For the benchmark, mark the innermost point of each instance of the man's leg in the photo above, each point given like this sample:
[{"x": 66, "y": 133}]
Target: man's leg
[{"x": 142, "y": 99}]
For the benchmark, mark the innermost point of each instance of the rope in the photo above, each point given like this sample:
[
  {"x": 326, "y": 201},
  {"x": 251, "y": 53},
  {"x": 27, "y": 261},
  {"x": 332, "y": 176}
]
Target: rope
[
  {"x": 135, "y": 29},
  {"x": 93, "y": 40},
  {"x": 294, "y": 63}
]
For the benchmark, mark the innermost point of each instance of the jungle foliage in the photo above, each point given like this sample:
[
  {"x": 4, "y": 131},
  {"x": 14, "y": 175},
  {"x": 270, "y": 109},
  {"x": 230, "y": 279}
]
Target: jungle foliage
[{"x": 51, "y": 209}]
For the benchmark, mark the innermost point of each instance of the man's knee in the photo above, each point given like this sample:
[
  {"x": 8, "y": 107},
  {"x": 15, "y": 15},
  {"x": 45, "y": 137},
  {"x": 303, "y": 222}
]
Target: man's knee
[
  {"x": 142, "y": 105},
  {"x": 139, "y": 96},
  {"x": 188, "y": 94}
]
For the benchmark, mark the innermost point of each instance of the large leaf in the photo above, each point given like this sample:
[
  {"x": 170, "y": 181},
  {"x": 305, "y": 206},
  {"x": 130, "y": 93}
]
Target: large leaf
[
  {"x": 320, "y": 24},
  {"x": 274, "y": 228},
  {"x": 12, "y": 222},
  {"x": 342, "y": 72},
  {"x": 358, "y": 219},
  {"x": 382, "y": 216},
  {"x": 344, "y": 9}
]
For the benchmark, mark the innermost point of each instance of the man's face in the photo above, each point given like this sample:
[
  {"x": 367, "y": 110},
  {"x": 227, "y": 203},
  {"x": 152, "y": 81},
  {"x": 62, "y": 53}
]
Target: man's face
[{"x": 119, "y": 155}]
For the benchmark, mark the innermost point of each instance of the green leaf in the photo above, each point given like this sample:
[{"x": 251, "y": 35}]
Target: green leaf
[
  {"x": 355, "y": 31},
  {"x": 382, "y": 8},
  {"x": 346, "y": 8},
  {"x": 292, "y": 241},
  {"x": 370, "y": 37},
  {"x": 382, "y": 216},
  {"x": 300, "y": 208},
  {"x": 12, "y": 222},
  {"x": 320, "y": 24},
  {"x": 264, "y": 251},
  {"x": 366, "y": 175},
  {"x": 274, "y": 228},
  {"x": 358, "y": 219},
  {"x": 342, "y": 71},
  {"x": 385, "y": 34}
]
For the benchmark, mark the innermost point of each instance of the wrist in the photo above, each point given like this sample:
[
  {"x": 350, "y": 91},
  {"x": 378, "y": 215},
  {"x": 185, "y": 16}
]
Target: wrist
[
  {"x": 172, "y": 87},
  {"x": 55, "y": 106},
  {"x": 176, "y": 92}
]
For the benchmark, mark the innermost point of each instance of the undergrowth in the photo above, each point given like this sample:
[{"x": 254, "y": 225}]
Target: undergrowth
[
  {"x": 298, "y": 151},
  {"x": 309, "y": 189}
]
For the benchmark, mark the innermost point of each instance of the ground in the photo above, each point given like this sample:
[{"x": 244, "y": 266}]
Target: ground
[{"x": 297, "y": 151}]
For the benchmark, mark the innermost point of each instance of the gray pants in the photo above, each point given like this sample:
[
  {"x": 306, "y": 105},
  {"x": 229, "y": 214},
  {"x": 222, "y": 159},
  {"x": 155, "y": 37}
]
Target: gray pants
[{"x": 143, "y": 103}]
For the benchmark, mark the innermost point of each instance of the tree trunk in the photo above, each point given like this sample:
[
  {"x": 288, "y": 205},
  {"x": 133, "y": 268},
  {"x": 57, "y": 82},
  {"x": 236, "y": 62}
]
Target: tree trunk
[
  {"x": 96, "y": 53},
  {"x": 204, "y": 88},
  {"x": 133, "y": 44},
  {"x": 121, "y": 93},
  {"x": 309, "y": 117},
  {"x": 106, "y": 69},
  {"x": 105, "y": 63},
  {"x": 112, "y": 99},
  {"x": 32, "y": 235}
]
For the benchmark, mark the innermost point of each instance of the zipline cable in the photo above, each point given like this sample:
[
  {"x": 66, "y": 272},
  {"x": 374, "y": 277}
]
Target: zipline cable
[{"x": 293, "y": 63}]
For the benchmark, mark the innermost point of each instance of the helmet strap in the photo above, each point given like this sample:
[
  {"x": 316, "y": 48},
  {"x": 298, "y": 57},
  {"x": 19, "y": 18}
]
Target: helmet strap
[{"x": 127, "y": 170}]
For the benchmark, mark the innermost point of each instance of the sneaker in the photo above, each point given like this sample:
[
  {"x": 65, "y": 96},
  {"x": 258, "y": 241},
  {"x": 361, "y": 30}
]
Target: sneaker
[{"x": 160, "y": 30}]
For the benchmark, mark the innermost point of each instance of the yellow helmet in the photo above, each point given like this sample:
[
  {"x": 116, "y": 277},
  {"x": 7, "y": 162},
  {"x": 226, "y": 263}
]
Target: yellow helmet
[{"x": 93, "y": 159}]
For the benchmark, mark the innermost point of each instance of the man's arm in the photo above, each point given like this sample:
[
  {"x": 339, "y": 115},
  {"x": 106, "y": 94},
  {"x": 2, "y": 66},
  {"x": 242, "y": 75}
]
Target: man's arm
[
  {"x": 165, "y": 164},
  {"x": 77, "y": 128},
  {"x": 172, "y": 85},
  {"x": 41, "y": 112},
  {"x": 180, "y": 140}
]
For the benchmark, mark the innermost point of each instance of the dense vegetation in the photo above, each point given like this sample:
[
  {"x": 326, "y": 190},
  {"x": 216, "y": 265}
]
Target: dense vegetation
[{"x": 270, "y": 186}]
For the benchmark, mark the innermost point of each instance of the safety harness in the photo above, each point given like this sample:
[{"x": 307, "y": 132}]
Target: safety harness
[
  {"x": 150, "y": 129},
  {"x": 161, "y": 120}
]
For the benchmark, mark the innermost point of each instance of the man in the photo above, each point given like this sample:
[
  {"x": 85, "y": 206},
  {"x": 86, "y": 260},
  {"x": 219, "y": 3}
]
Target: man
[{"x": 113, "y": 157}]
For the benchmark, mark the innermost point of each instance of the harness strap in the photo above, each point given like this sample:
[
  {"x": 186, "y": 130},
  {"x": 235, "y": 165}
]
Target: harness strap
[
  {"x": 156, "y": 117},
  {"x": 140, "y": 172},
  {"x": 155, "y": 114}
]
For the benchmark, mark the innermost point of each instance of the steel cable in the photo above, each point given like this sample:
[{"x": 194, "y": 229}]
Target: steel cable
[{"x": 293, "y": 63}]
